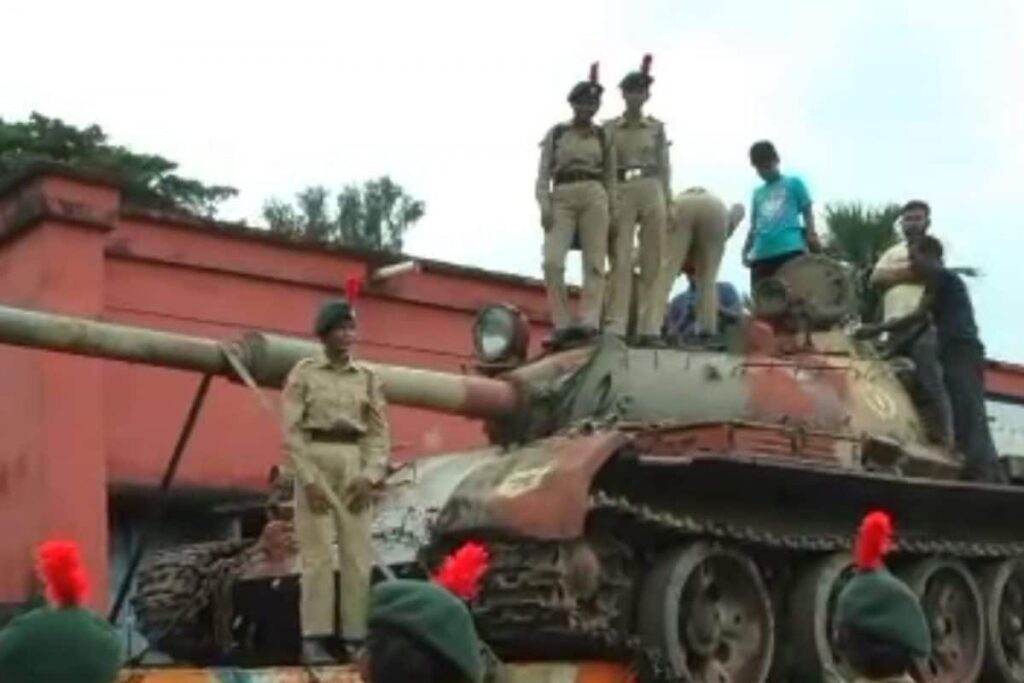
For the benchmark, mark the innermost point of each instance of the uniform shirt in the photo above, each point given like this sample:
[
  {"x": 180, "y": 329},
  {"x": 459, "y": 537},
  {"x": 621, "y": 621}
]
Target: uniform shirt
[
  {"x": 902, "y": 299},
  {"x": 951, "y": 309},
  {"x": 59, "y": 645},
  {"x": 641, "y": 144},
  {"x": 574, "y": 150},
  {"x": 322, "y": 395},
  {"x": 778, "y": 224}
]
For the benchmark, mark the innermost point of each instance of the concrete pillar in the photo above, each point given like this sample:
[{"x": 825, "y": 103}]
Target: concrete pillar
[{"x": 53, "y": 479}]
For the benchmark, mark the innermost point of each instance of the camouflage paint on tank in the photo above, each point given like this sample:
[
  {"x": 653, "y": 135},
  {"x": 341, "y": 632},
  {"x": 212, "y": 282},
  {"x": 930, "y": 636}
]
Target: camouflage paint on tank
[
  {"x": 585, "y": 672},
  {"x": 540, "y": 490},
  {"x": 829, "y": 407}
]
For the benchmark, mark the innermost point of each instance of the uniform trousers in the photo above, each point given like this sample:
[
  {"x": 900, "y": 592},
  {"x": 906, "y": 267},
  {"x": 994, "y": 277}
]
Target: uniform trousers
[{"x": 340, "y": 535}]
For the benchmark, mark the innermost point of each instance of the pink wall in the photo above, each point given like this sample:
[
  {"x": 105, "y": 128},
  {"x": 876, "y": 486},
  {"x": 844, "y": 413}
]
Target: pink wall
[
  {"x": 73, "y": 427},
  {"x": 53, "y": 465}
]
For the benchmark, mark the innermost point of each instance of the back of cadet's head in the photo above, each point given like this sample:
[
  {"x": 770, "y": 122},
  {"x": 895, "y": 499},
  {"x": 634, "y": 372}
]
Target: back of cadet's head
[{"x": 397, "y": 657}]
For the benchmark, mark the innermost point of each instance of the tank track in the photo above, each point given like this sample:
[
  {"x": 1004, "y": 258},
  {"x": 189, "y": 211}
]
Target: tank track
[
  {"x": 642, "y": 517},
  {"x": 526, "y": 607}
]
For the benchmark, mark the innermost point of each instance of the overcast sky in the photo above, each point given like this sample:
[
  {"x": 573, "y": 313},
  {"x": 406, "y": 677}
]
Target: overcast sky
[{"x": 873, "y": 100}]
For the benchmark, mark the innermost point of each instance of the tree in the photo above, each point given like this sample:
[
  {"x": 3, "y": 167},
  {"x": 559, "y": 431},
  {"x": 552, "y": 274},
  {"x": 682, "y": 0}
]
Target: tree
[
  {"x": 146, "y": 180},
  {"x": 375, "y": 215},
  {"x": 859, "y": 236}
]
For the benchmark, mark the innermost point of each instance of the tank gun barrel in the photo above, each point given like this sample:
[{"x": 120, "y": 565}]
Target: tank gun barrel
[{"x": 267, "y": 357}]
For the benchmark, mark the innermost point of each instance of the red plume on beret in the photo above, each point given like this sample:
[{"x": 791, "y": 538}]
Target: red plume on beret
[
  {"x": 645, "y": 65},
  {"x": 594, "y": 72},
  {"x": 462, "y": 571},
  {"x": 353, "y": 288},
  {"x": 60, "y": 564},
  {"x": 874, "y": 540}
]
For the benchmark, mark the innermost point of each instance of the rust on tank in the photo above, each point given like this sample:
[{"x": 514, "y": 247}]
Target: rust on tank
[{"x": 542, "y": 492}]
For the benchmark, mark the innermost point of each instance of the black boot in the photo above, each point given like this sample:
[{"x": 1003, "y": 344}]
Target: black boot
[{"x": 316, "y": 653}]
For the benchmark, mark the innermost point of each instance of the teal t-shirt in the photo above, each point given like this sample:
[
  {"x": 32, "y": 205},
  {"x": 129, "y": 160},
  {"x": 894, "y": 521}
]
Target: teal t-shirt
[{"x": 777, "y": 208}]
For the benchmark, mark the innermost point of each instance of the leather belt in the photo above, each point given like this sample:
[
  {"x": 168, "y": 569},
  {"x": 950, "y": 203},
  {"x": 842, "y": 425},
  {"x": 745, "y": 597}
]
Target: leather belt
[
  {"x": 576, "y": 176},
  {"x": 329, "y": 436},
  {"x": 626, "y": 174}
]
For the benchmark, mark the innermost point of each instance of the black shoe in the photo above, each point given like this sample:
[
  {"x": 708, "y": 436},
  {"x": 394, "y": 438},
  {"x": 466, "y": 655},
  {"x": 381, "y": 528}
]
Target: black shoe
[
  {"x": 574, "y": 335},
  {"x": 315, "y": 652}
]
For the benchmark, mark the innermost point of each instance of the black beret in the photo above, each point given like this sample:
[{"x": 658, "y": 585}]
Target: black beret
[
  {"x": 636, "y": 80},
  {"x": 586, "y": 90},
  {"x": 332, "y": 314}
]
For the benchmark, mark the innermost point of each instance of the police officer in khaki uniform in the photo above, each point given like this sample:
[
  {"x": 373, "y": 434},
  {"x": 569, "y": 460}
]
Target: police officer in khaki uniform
[
  {"x": 644, "y": 191},
  {"x": 336, "y": 437},
  {"x": 575, "y": 184},
  {"x": 698, "y": 228}
]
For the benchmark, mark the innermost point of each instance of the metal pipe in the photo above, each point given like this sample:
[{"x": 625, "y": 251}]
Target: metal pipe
[
  {"x": 268, "y": 358},
  {"x": 84, "y": 337},
  {"x": 394, "y": 270}
]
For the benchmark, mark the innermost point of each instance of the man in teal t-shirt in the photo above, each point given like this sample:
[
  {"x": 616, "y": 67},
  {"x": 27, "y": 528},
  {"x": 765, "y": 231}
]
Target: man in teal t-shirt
[{"x": 781, "y": 218}]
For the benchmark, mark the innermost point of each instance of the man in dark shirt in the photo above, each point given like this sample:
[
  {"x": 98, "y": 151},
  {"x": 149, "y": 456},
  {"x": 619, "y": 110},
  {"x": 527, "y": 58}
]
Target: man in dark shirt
[{"x": 961, "y": 354}]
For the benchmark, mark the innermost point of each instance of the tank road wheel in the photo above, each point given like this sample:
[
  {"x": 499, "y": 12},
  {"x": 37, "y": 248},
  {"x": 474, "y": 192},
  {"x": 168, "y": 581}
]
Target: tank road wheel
[
  {"x": 810, "y": 629},
  {"x": 952, "y": 604},
  {"x": 706, "y": 608},
  {"x": 1002, "y": 589}
]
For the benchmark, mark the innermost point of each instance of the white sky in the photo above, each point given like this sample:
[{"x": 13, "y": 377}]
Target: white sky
[{"x": 872, "y": 100}]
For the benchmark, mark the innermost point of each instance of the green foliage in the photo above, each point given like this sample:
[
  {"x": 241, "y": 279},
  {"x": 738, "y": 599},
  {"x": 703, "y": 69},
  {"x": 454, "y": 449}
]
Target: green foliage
[
  {"x": 859, "y": 235},
  {"x": 147, "y": 180},
  {"x": 375, "y": 215}
]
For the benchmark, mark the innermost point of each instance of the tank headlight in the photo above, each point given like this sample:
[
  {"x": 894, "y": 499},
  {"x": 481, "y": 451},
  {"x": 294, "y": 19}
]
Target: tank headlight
[{"x": 500, "y": 335}]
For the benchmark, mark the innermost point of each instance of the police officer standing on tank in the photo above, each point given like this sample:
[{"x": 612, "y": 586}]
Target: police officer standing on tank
[
  {"x": 337, "y": 441},
  {"x": 575, "y": 190},
  {"x": 644, "y": 193}
]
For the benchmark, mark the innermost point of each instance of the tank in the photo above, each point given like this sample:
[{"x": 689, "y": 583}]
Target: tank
[{"x": 685, "y": 508}]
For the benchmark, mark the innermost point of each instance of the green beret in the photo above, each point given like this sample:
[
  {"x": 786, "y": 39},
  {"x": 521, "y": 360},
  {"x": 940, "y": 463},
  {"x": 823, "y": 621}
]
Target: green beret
[
  {"x": 433, "y": 616},
  {"x": 878, "y": 604},
  {"x": 59, "y": 645},
  {"x": 332, "y": 314},
  {"x": 636, "y": 80},
  {"x": 586, "y": 90}
]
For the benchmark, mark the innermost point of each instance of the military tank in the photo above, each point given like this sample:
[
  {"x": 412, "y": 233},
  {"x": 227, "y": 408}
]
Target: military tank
[{"x": 688, "y": 506}]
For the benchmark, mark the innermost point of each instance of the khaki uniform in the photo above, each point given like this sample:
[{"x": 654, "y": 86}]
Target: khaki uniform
[
  {"x": 644, "y": 175},
  {"x": 698, "y": 230},
  {"x": 575, "y": 179},
  {"x": 334, "y": 429}
]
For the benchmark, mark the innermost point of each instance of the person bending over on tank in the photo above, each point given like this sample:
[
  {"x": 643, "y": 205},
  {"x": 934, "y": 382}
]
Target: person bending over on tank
[
  {"x": 881, "y": 628},
  {"x": 575, "y": 191},
  {"x": 781, "y": 217},
  {"x": 961, "y": 354},
  {"x": 700, "y": 225}
]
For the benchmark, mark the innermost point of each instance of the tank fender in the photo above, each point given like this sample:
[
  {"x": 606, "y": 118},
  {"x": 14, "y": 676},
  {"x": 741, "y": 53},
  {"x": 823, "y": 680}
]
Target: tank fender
[{"x": 539, "y": 491}]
